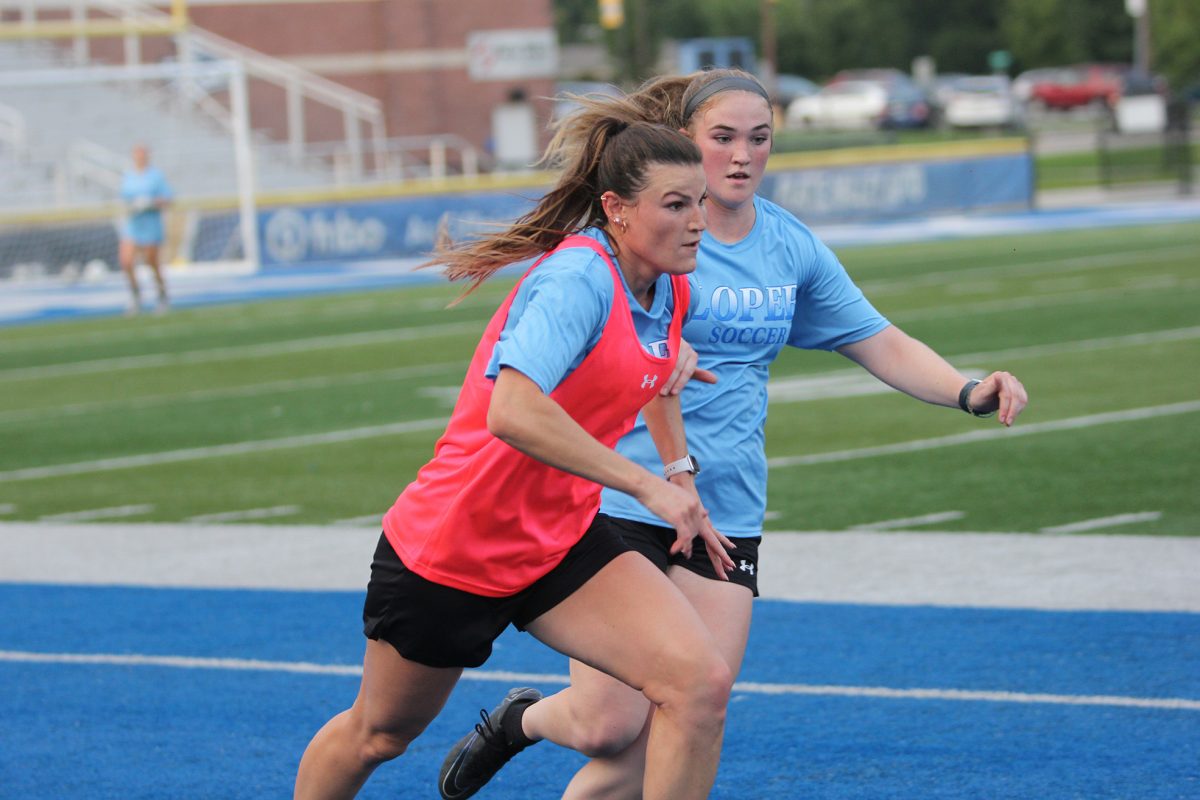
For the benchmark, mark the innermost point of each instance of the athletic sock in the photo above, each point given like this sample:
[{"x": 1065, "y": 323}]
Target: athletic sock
[{"x": 512, "y": 725}]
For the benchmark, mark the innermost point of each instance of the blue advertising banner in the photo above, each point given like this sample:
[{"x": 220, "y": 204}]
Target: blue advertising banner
[
  {"x": 407, "y": 227},
  {"x": 368, "y": 231},
  {"x": 895, "y": 189}
]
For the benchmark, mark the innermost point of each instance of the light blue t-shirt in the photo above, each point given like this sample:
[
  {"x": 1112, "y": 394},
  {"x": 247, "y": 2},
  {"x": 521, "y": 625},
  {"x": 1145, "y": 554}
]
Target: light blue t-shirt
[
  {"x": 780, "y": 285},
  {"x": 560, "y": 310},
  {"x": 139, "y": 191}
]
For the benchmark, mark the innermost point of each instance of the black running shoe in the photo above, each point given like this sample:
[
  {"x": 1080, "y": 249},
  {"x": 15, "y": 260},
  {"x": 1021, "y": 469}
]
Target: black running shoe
[{"x": 481, "y": 753}]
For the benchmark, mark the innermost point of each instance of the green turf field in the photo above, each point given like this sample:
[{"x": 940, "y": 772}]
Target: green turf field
[{"x": 320, "y": 410}]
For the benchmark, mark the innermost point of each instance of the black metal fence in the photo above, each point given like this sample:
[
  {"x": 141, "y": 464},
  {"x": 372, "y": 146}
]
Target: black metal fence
[{"x": 1159, "y": 156}]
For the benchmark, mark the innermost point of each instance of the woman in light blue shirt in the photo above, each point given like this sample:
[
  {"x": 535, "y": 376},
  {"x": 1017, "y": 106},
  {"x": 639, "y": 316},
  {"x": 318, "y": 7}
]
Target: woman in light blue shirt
[
  {"x": 144, "y": 195},
  {"x": 762, "y": 281}
]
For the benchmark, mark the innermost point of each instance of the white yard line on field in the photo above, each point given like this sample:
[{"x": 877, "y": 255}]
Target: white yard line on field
[
  {"x": 234, "y": 449},
  {"x": 227, "y": 392},
  {"x": 352, "y": 434},
  {"x": 246, "y": 515},
  {"x": 840, "y": 383},
  {"x": 365, "y": 521},
  {"x": 93, "y": 514},
  {"x": 1052, "y": 426},
  {"x": 1146, "y": 255},
  {"x": 871, "y": 287},
  {"x": 853, "y": 382},
  {"x": 836, "y": 383},
  {"x": 908, "y": 522},
  {"x": 1025, "y": 302},
  {"x": 1083, "y": 345},
  {"x": 266, "y": 349},
  {"x": 1104, "y": 522},
  {"x": 519, "y": 678}
]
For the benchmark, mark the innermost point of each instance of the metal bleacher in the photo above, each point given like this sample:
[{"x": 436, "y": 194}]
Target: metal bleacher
[
  {"x": 63, "y": 143},
  {"x": 68, "y": 116}
]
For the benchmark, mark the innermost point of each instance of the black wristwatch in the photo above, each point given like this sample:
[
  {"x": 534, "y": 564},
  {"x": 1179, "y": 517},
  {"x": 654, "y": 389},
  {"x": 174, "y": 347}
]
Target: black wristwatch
[{"x": 964, "y": 399}]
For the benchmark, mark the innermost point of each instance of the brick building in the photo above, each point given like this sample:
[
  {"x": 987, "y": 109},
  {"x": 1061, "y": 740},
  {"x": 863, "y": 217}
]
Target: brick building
[{"x": 438, "y": 66}]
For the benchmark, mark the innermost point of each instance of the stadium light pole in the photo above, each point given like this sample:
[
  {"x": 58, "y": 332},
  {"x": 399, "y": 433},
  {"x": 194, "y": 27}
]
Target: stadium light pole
[
  {"x": 769, "y": 67},
  {"x": 1140, "y": 11},
  {"x": 641, "y": 40}
]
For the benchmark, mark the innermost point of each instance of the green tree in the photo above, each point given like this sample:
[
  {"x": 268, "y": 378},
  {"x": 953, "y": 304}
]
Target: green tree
[
  {"x": 572, "y": 18},
  {"x": 1046, "y": 33},
  {"x": 1174, "y": 34},
  {"x": 816, "y": 38},
  {"x": 959, "y": 35}
]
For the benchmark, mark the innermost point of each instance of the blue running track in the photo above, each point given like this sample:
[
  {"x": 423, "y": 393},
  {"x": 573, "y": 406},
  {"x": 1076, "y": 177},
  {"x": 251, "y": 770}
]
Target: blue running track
[{"x": 215, "y": 693}]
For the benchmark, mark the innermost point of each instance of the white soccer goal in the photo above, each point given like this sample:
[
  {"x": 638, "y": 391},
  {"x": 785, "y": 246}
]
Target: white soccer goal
[{"x": 65, "y": 137}]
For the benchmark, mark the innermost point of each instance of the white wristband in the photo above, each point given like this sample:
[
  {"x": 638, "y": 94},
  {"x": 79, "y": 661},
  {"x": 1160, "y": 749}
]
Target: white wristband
[{"x": 686, "y": 464}]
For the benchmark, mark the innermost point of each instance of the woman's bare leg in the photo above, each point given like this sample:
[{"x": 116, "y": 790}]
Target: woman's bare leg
[
  {"x": 632, "y": 623},
  {"x": 613, "y": 777},
  {"x": 599, "y": 714},
  {"x": 153, "y": 260},
  {"x": 127, "y": 256},
  {"x": 397, "y": 699}
]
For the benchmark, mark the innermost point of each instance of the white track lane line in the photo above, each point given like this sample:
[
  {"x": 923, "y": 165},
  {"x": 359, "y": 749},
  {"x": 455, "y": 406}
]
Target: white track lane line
[{"x": 743, "y": 687}]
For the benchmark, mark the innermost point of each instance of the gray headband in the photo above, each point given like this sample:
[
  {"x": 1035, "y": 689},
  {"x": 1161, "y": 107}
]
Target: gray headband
[{"x": 728, "y": 83}]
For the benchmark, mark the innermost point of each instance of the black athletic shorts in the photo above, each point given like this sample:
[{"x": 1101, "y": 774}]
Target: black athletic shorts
[
  {"x": 440, "y": 626},
  {"x": 654, "y": 542}
]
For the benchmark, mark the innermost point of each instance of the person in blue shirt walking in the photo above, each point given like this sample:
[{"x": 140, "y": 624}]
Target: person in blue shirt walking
[
  {"x": 763, "y": 281},
  {"x": 145, "y": 193}
]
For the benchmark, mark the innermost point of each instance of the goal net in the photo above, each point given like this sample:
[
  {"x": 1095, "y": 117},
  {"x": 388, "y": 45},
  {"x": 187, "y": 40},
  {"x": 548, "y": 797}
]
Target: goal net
[{"x": 66, "y": 134}]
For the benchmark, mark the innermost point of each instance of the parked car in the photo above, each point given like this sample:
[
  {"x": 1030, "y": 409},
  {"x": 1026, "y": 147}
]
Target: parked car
[
  {"x": 860, "y": 104},
  {"x": 943, "y": 84},
  {"x": 1023, "y": 84},
  {"x": 1078, "y": 85},
  {"x": 908, "y": 107},
  {"x": 981, "y": 101},
  {"x": 1142, "y": 104},
  {"x": 789, "y": 87},
  {"x": 884, "y": 75}
]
